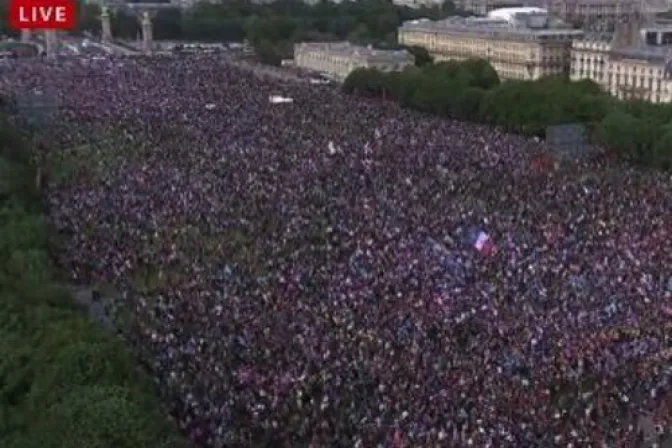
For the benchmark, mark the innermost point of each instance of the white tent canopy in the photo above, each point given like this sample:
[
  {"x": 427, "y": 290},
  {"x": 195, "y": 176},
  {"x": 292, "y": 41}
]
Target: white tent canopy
[{"x": 277, "y": 99}]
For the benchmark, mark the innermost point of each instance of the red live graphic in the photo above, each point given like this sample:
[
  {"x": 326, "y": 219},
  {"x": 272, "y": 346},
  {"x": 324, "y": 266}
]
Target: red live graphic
[{"x": 42, "y": 14}]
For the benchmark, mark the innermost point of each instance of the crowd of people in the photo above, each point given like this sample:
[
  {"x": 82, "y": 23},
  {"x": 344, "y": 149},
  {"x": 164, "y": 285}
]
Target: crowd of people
[{"x": 337, "y": 272}]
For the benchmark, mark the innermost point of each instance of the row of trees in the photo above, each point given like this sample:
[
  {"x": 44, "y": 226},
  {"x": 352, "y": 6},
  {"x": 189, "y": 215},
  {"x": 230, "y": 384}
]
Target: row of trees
[
  {"x": 64, "y": 382},
  {"x": 272, "y": 28},
  {"x": 471, "y": 90}
]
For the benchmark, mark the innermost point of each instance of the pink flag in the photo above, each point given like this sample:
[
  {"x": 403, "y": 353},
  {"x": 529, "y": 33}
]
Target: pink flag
[
  {"x": 396, "y": 439},
  {"x": 667, "y": 310}
]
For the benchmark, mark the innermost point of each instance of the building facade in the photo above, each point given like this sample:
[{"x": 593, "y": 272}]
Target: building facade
[
  {"x": 517, "y": 42},
  {"x": 590, "y": 58},
  {"x": 593, "y": 13},
  {"x": 628, "y": 68},
  {"x": 338, "y": 59}
]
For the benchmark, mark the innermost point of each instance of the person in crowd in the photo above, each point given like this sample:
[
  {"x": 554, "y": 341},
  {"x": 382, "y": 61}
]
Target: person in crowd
[{"x": 340, "y": 272}]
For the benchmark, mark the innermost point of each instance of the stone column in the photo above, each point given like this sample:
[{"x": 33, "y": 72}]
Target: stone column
[
  {"x": 50, "y": 43},
  {"x": 106, "y": 24},
  {"x": 26, "y": 35},
  {"x": 146, "y": 25}
]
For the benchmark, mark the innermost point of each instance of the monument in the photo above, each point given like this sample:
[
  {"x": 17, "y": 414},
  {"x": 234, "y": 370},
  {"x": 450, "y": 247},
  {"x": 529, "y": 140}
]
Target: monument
[
  {"x": 146, "y": 25},
  {"x": 51, "y": 43},
  {"x": 106, "y": 24},
  {"x": 144, "y": 12}
]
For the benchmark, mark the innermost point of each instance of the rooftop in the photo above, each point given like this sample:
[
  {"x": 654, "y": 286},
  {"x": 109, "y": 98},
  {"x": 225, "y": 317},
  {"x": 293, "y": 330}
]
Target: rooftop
[
  {"x": 646, "y": 52},
  {"x": 493, "y": 26},
  {"x": 601, "y": 37},
  {"x": 507, "y": 13}
]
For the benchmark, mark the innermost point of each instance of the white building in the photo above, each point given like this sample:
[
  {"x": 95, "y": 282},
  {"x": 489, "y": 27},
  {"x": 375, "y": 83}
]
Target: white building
[
  {"x": 519, "y": 43},
  {"x": 338, "y": 59},
  {"x": 629, "y": 64},
  {"x": 529, "y": 17}
]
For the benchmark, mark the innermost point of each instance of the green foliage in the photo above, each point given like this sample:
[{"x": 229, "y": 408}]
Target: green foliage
[
  {"x": 80, "y": 364},
  {"x": 365, "y": 82},
  {"x": 34, "y": 265},
  {"x": 21, "y": 230},
  {"x": 64, "y": 382},
  {"x": 98, "y": 417},
  {"x": 271, "y": 53},
  {"x": 662, "y": 148},
  {"x": 479, "y": 73},
  {"x": 404, "y": 85},
  {"x": 640, "y": 132},
  {"x": 468, "y": 105},
  {"x": 272, "y": 28},
  {"x": 634, "y": 138},
  {"x": 88, "y": 17},
  {"x": 421, "y": 55},
  {"x": 615, "y": 130},
  {"x": 15, "y": 180}
]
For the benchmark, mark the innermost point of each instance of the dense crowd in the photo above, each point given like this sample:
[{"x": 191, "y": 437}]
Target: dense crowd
[{"x": 333, "y": 271}]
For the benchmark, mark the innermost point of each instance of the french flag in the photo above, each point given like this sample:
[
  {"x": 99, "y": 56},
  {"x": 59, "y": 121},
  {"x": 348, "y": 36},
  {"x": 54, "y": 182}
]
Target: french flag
[{"x": 484, "y": 243}]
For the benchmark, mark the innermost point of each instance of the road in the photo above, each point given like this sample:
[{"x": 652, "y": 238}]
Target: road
[
  {"x": 74, "y": 46},
  {"x": 82, "y": 46}
]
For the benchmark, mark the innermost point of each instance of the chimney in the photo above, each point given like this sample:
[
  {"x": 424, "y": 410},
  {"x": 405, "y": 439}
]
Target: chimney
[{"x": 627, "y": 32}]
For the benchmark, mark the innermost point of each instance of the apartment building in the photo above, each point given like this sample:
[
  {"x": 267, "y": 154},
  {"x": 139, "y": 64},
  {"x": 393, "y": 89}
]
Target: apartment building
[
  {"x": 517, "y": 42},
  {"x": 338, "y": 59},
  {"x": 630, "y": 64},
  {"x": 593, "y": 13}
]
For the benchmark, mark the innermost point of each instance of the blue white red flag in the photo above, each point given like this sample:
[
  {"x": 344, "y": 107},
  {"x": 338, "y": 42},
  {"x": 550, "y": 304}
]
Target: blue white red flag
[{"x": 484, "y": 243}]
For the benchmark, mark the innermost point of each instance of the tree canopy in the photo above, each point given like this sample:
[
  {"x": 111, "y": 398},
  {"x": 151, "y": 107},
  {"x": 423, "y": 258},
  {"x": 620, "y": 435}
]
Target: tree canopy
[
  {"x": 64, "y": 382},
  {"x": 272, "y": 28},
  {"x": 470, "y": 90}
]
